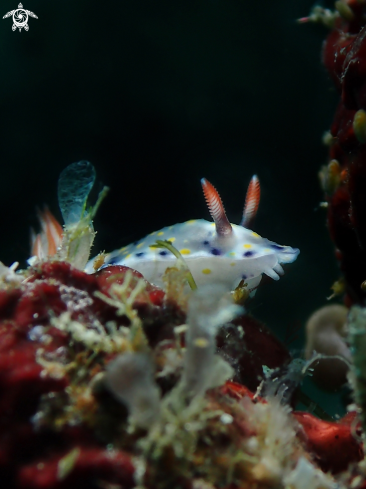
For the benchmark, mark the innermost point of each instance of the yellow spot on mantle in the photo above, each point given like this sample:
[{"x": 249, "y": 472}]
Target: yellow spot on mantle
[
  {"x": 192, "y": 221},
  {"x": 255, "y": 235},
  {"x": 206, "y": 271},
  {"x": 247, "y": 245},
  {"x": 140, "y": 244},
  {"x": 233, "y": 263},
  {"x": 123, "y": 249},
  {"x": 185, "y": 251},
  {"x": 171, "y": 240},
  {"x": 232, "y": 253},
  {"x": 160, "y": 233},
  {"x": 128, "y": 256},
  {"x": 267, "y": 250},
  {"x": 201, "y": 342}
]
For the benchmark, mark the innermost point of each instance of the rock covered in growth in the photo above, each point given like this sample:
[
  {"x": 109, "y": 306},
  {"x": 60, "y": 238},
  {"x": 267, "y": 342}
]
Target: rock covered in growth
[
  {"x": 344, "y": 178},
  {"x": 65, "y": 420},
  {"x": 247, "y": 345},
  {"x": 53, "y": 343}
]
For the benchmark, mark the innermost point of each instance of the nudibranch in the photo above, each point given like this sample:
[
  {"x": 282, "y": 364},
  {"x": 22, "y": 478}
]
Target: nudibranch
[{"x": 216, "y": 252}]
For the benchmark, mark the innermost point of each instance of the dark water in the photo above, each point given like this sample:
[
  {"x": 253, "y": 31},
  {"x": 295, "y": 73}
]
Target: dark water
[{"x": 157, "y": 95}]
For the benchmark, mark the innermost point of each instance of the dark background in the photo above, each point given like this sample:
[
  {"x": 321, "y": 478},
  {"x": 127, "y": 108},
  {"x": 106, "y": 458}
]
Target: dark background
[{"x": 158, "y": 94}]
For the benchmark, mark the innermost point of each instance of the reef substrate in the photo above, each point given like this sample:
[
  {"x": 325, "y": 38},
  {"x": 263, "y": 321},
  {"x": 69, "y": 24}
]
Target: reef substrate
[
  {"x": 344, "y": 177},
  {"x": 63, "y": 334}
]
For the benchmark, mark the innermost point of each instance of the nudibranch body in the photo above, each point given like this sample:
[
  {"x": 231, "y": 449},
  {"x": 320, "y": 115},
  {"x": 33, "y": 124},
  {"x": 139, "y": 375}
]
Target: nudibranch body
[{"x": 217, "y": 252}]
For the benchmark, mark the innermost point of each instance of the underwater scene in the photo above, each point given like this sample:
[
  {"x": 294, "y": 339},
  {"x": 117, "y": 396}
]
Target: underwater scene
[{"x": 183, "y": 245}]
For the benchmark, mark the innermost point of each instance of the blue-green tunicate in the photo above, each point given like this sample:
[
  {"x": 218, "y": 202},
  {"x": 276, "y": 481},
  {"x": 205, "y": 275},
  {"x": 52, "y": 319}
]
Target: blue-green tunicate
[{"x": 74, "y": 186}]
